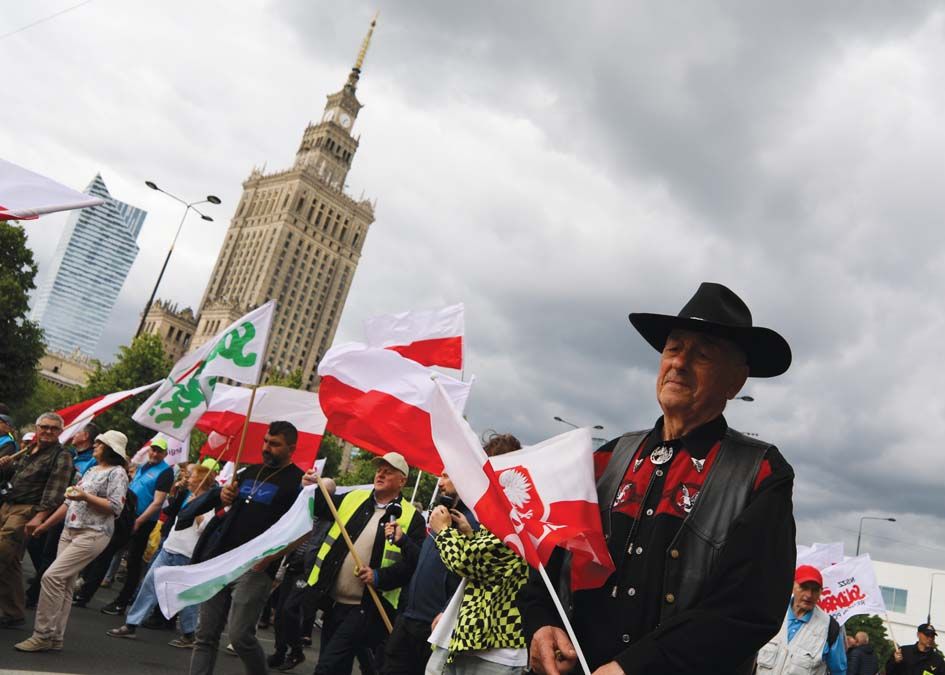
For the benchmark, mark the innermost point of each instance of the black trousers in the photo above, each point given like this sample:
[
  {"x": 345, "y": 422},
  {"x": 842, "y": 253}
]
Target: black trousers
[
  {"x": 135, "y": 560},
  {"x": 288, "y": 623},
  {"x": 48, "y": 545},
  {"x": 349, "y": 631},
  {"x": 407, "y": 650}
]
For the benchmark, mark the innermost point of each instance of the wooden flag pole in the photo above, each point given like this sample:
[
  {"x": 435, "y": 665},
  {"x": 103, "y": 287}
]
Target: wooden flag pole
[
  {"x": 226, "y": 446},
  {"x": 239, "y": 450},
  {"x": 354, "y": 554},
  {"x": 891, "y": 636}
]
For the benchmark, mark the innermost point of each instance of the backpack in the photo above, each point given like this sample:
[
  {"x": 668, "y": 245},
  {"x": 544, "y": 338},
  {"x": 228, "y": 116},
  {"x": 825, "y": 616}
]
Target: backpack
[{"x": 125, "y": 521}]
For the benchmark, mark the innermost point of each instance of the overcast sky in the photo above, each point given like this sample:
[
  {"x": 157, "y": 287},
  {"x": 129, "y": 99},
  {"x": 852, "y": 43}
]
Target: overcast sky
[{"x": 556, "y": 166}]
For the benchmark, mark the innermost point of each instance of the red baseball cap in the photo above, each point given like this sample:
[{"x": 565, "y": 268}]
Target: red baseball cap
[{"x": 806, "y": 573}]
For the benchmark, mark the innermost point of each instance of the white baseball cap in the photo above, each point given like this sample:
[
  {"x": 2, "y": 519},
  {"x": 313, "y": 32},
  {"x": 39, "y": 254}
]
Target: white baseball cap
[{"x": 395, "y": 459}]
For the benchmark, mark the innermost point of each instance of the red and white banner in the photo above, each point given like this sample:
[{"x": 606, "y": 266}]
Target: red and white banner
[
  {"x": 78, "y": 415},
  {"x": 226, "y": 414},
  {"x": 380, "y": 401},
  {"x": 25, "y": 195},
  {"x": 429, "y": 337},
  {"x": 533, "y": 499},
  {"x": 850, "y": 589}
]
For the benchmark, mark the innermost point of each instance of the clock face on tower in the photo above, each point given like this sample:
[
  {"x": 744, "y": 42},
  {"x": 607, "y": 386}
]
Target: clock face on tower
[{"x": 344, "y": 120}]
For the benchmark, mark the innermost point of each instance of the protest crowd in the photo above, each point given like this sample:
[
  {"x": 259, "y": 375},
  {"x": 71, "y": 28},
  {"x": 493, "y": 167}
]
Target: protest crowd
[{"x": 670, "y": 549}]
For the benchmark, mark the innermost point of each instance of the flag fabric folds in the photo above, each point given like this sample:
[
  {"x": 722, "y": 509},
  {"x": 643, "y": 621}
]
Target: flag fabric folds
[
  {"x": 533, "y": 499},
  {"x": 431, "y": 337},
  {"x": 380, "y": 401},
  {"x": 236, "y": 353},
  {"x": 78, "y": 415},
  {"x": 25, "y": 195},
  {"x": 177, "y": 451},
  {"x": 226, "y": 414},
  {"x": 185, "y": 585},
  {"x": 850, "y": 589}
]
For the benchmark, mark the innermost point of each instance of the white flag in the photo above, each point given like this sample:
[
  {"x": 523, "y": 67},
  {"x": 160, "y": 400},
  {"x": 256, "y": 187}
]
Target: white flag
[
  {"x": 25, "y": 195},
  {"x": 236, "y": 353},
  {"x": 185, "y": 585},
  {"x": 850, "y": 589},
  {"x": 821, "y": 556}
]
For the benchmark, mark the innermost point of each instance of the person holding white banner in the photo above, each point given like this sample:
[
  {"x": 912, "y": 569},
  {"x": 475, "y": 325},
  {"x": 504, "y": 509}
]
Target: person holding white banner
[{"x": 919, "y": 659}]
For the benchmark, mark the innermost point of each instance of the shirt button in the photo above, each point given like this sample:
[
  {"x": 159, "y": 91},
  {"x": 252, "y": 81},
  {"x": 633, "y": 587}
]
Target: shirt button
[
  {"x": 625, "y": 638},
  {"x": 639, "y": 550},
  {"x": 659, "y": 472},
  {"x": 670, "y": 598},
  {"x": 674, "y": 554},
  {"x": 631, "y": 592},
  {"x": 649, "y": 512}
]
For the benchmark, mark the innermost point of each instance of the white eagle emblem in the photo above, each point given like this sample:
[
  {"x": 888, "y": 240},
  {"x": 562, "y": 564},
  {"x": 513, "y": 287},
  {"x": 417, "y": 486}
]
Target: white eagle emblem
[{"x": 517, "y": 487}]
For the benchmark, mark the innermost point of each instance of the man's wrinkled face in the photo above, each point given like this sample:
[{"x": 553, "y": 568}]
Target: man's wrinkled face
[
  {"x": 806, "y": 596},
  {"x": 387, "y": 479},
  {"x": 47, "y": 431},
  {"x": 698, "y": 373},
  {"x": 446, "y": 485},
  {"x": 276, "y": 450}
]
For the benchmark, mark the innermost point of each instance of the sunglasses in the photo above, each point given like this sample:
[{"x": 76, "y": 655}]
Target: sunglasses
[{"x": 48, "y": 427}]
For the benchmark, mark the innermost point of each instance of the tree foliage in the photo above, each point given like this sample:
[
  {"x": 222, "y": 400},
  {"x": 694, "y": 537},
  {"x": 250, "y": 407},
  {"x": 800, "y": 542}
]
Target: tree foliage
[
  {"x": 873, "y": 626},
  {"x": 142, "y": 362},
  {"x": 291, "y": 380},
  {"x": 21, "y": 345},
  {"x": 46, "y": 397}
]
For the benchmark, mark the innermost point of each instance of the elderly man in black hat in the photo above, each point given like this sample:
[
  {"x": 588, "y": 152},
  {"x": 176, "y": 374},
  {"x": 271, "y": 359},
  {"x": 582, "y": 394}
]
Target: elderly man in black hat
[{"x": 698, "y": 517}]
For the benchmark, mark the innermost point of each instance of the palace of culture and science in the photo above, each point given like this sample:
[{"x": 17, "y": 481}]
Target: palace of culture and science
[{"x": 296, "y": 237}]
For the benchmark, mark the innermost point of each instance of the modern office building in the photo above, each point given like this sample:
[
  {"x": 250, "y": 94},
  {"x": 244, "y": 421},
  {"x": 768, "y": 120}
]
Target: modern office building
[
  {"x": 86, "y": 273},
  {"x": 296, "y": 237}
]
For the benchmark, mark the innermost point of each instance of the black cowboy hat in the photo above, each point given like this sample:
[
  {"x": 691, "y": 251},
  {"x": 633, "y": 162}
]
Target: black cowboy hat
[{"x": 717, "y": 310}]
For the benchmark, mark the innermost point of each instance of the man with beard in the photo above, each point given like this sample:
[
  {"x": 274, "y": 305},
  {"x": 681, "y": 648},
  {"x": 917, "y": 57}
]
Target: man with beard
[{"x": 259, "y": 496}]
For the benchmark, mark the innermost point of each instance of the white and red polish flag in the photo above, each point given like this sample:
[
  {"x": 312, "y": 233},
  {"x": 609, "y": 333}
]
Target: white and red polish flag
[
  {"x": 25, "y": 195},
  {"x": 226, "y": 414},
  {"x": 380, "y": 401},
  {"x": 429, "y": 337},
  {"x": 533, "y": 499},
  {"x": 78, "y": 415}
]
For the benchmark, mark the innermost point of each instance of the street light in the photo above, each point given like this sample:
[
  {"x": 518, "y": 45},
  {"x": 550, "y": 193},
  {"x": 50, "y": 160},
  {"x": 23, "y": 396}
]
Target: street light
[
  {"x": 860, "y": 532},
  {"x": 931, "y": 586},
  {"x": 572, "y": 424},
  {"x": 211, "y": 199}
]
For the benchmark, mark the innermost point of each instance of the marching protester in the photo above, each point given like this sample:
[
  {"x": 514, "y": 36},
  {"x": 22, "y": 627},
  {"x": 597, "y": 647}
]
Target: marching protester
[
  {"x": 431, "y": 587},
  {"x": 83, "y": 448},
  {"x": 810, "y": 640},
  {"x": 259, "y": 497},
  {"x": 698, "y": 517},
  {"x": 8, "y": 444},
  {"x": 861, "y": 659},
  {"x": 176, "y": 550},
  {"x": 920, "y": 658},
  {"x": 89, "y": 517},
  {"x": 151, "y": 483},
  {"x": 351, "y": 621},
  {"x": 487, "y": 637},
  {"x": 37, "y": 482}
]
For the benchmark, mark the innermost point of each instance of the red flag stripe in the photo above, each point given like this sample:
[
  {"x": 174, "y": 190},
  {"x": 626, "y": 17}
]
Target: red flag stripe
[{"x": 446, "y": 352}]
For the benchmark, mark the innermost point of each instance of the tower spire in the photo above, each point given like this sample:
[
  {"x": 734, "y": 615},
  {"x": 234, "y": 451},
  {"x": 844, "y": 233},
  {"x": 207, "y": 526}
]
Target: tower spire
[{"x": 359, "y": 62}]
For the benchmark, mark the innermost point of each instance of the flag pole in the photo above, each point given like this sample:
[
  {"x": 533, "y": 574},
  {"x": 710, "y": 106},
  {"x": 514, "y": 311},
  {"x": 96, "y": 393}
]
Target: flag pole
[
  {"x": 416, "y": 485},
  {"x": 226, "y": 446},
  {"x": 891, "y": 636},
  {"x": 354, "y": 554},
  {"x": 249, "y": 414},
  {"x": 564, "y": 618}
]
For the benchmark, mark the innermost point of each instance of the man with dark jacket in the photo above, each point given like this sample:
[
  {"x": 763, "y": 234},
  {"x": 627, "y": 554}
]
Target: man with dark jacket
[
  {"x": 351, "y": 619},
  {"x": 861, "y": 659},
  {"x": 698, "y": 517},
  {"x": 920, "y": 658}
]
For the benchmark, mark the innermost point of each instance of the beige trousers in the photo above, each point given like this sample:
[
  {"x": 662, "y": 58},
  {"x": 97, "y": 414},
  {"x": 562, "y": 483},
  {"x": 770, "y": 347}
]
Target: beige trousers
[
  {"x": 77, "y": 548},
  {"x": 12, "y": 546}
]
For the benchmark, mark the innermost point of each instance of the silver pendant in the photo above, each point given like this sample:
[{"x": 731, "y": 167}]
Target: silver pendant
[
  {"x": 637, "y": 464},
  {"x": 661, "y": 455},
  {"x": 698, "y": 463},
  {"x": 249, "y": 499}
]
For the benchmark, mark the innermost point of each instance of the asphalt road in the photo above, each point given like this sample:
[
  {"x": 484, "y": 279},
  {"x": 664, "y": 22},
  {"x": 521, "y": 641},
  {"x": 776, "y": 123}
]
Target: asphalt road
[{"x": 89, "y": 651}]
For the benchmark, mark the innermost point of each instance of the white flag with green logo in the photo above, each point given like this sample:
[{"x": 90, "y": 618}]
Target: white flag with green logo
[
  {"x": 236, "y": 353},
  {"x": 185, "y": 585}
]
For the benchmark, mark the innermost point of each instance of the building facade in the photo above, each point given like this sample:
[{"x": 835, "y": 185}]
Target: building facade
[
  {"x": 296, "y": 237},
  {"x": 911, "y": 594},
  {"x": 174, "y": 326},
  {"x": 87, "y": 271},
  {"x": 70, "y": 371}
]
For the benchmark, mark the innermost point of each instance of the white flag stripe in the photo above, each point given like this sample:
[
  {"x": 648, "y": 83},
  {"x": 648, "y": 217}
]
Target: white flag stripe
[
  {"x": 850, "y": 589},
  {"x": 459, "y": 447},
  {"x": 372, "y": 369},
  {"x": 25, "y": 194},
  {"x": 405, "y": 328},
  {"x": 272, "y": 403}
]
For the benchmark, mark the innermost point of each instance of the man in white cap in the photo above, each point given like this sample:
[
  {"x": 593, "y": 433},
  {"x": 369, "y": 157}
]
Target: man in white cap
[{"x": 351, "y": 620}]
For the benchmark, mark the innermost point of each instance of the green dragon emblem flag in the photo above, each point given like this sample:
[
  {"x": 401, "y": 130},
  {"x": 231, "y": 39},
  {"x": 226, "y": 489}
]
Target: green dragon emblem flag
[{"x": 236, "y": 353}]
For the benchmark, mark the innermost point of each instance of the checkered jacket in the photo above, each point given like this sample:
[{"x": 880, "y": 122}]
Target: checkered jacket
[{"x": 488, "y": 616}]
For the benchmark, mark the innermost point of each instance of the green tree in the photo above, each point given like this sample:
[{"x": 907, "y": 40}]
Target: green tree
[
  {"x": 873, "y": 626},
  {"x": 21, "y": 345},
  {"x": 142, "y": 362},
  {"x": 46, "y": 396},
  {"x": 291, "y": 380}
]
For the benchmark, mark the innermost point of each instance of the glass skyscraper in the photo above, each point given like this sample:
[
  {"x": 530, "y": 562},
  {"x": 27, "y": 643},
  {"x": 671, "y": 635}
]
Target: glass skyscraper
[{"x": 87, "y": 271}]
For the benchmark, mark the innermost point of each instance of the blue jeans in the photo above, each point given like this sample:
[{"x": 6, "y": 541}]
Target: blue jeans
[{"x": 146, "y": 600}]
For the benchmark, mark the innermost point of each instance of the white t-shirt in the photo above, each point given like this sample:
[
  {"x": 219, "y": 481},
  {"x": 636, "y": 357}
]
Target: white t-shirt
[{"x": 183, "y": 542}]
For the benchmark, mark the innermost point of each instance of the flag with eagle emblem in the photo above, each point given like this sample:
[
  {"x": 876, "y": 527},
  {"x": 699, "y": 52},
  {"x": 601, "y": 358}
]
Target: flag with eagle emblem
[{"x": 532, "y": 499}]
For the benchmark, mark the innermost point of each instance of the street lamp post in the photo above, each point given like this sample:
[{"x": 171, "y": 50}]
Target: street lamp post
[
  {"x": 931, "y": 586},
  {"x": 572, "y": 424},
  {"x": 211, "y": 199},
  {"x": 859, "y": 534}
]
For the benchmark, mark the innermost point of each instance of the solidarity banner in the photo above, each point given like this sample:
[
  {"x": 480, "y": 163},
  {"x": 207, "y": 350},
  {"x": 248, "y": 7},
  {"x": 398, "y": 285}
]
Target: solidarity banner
[
  {"x": 25, "y": 195},
  {"x": 850, "y": 589},
  {"x": 380, "y": 401},
  {"x": 820, "y": 556},
  {"x": 533, "y": 499},
  {"x": 431, "y": 337},
  {"x": 185, "y": 585},
  {"x": 226, "y": 414},
  {"x": 236, "y": 353}
]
